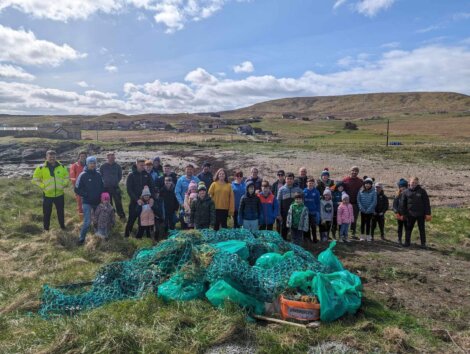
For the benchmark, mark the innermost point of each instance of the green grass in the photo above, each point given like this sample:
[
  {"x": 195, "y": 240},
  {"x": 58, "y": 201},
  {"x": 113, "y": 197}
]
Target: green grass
[{"x": 152, "y": 326}]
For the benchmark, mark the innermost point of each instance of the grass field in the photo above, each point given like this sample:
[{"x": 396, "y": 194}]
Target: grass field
[{"x": 30, "y": 258}]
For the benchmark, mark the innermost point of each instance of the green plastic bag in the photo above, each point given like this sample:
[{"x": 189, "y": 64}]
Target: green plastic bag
[
  {"x": 328, "y": 258},
  {"x": 302, "y": 280},
  {"x": 338, "y": 293},
  {"x": 179, "y": 289},
  {"x": 269, "y": 260},
  {"x": 222, "y": 291},
  {"x": 234, "y": 246}
]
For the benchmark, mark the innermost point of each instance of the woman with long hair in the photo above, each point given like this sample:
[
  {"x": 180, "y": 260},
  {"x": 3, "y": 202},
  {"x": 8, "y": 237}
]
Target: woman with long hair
[{"x": 222, "y": 194}]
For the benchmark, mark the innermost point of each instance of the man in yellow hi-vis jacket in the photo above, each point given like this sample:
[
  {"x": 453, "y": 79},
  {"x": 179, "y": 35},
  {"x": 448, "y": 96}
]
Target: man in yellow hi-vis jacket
[{"x": 52, "y": 177}]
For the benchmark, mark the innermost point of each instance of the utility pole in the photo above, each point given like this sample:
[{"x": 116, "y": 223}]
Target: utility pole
[{"x": 388, "y": 129}]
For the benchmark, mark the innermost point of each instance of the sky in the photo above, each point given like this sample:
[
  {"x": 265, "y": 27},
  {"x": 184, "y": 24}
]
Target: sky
[{"x": 171, "y": 56}]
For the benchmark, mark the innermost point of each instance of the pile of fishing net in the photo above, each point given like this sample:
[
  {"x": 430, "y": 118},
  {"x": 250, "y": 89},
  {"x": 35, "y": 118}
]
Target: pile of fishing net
[{"x": 230, "y": 264}]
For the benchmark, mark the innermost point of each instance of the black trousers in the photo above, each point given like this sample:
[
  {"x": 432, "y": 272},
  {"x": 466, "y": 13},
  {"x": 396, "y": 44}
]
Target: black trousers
[
  {"x": 47, "y": 203},
  {"x": 410, "y": 224},
  {"x": 325, "y": 228},
  {"x": 145, "y": 229},
  {"x": 116, "y": 198},
  {"x": 378, "y": 220},
  {"x": 284, "y": 229},
  {"x": 235, "y": 220},
  {"x": 401, "y": 226},
  {"x": 311, "y": 234},
  {"x": 221, "y": 216},
  {"x": 266, "y": 227},
  {"x": 334, "y": 224},
  {"x": 132, "y": 218},
  {"x": 366, "y": 220},
  {"x": 356, "y": 215}
]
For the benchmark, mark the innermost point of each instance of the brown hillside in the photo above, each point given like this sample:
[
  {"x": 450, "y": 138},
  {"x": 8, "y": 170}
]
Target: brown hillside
[{"x": 354, "y": 106}]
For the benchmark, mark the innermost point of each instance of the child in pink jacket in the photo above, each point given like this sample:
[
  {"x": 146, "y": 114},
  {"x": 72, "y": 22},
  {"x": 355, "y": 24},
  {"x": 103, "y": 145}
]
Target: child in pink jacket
[{"x": 345, "y": 217}]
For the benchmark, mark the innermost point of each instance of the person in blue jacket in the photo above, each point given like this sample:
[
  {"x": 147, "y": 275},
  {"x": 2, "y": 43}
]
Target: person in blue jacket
[
  {"x": 182, "y": 187},
  {"x": 269, "y": 207},
  {"x": 312, "y": 202},
  {"x": 89, "y": 186},
  {"x": 239, "y": 188},
  {"x": 367, "y": 200}
]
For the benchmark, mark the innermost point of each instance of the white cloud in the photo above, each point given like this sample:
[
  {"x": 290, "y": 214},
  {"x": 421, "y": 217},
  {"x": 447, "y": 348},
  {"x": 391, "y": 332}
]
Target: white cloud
[
  {"x": 82, "y": 83},
  {"x": 173, "y": 14},
  {"x": 461, "y": 16},
  {"x": 245, "y": 67},
  {"x": 22, "y": 47},
  {"x": 429, "y": 68},
  {"x": 62, "y": 10},
  {"x": 372, "y": 7},
  {"x": 111, "y": 68},
  {"x": 390, "y": 45},
  {"x": 429, "y": 29},
  {"x": 368, "y": 8},
  {"x": 14, "y": 72}
]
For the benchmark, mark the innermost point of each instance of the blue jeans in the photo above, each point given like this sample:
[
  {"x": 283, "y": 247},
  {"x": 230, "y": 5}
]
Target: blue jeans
[
  {"x": 87, "y": 209},
  {"x": 297, "y": 236},
  {"x": 343, "y": 231},
  {"x": 251, "y": 225}
]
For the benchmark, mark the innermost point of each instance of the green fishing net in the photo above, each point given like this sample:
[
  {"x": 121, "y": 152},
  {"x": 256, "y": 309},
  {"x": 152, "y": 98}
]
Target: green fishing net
[{"x": 193, "y": 264}]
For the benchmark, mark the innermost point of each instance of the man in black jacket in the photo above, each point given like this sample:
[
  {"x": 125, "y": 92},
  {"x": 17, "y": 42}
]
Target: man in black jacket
[
  {"x": 167, "y": 193},
  {"x": 416, "y": 208},
  {"x": 206, "y": 175},
  {"x": 89, "y": 187},
  {"x": 112, "y": 175},
  {"x": 135, "y": 183},
  {"x": 380, "y": 210}
]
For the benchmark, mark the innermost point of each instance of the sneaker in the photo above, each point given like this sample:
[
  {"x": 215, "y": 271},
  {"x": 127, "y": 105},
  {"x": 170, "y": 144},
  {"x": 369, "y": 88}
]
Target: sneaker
[
  {"x": 369, "y": 238},
  {"x": 424, "y": 247},
  {"x": 80, "y": 242},
  {"x": 347, "y": 240},
  {"x": 363, "y": 238},
  {"x": 382, "y": 237},
  {"x": 341, "y": 240}
]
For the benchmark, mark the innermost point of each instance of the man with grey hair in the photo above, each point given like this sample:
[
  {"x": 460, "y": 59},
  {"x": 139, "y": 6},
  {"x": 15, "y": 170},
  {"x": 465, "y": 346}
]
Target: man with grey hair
[{"x": 111, "y": 172}]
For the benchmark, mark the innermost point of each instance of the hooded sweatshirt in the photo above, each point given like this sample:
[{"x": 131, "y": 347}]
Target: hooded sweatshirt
[
  {"x": 89, "y": 186},
  {"x": 250, "y": 206}
]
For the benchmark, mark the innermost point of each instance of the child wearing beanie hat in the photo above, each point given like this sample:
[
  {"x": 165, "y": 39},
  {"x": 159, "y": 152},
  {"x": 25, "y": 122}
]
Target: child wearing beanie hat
[
  {"x": 146, "y": 213},
  {"x": 325, "y": 181},
  {"x": 104, "y": 217},
  {"x": 191, "y": 194},
  {"x": 326, "y": 215},
  {"x": 397, "y": 206},
  {"x": 367, "y": 201},
  {"x": 345, "y": 217}
]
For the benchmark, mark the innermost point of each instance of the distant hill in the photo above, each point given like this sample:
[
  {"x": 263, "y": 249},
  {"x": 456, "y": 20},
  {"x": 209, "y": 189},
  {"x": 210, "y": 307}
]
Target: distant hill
[{"x": 356, "y": 106}]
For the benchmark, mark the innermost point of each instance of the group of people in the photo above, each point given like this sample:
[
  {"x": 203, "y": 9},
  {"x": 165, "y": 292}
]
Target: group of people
[{"x": 297, "y": 206}]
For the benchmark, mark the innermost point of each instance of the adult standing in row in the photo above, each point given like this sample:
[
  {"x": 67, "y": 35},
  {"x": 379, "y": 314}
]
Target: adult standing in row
[
  {"x": 255, "y": 179},
  {"x": 285, "y": 197},
  {"x": 135, "y": 183},
  {"x": 89, "y": 187},
  {"x": 239, "y": 189},
  {"x": 416, "y": 208},
  {"x": 182, "y": 187},
  {"x": 74, "y": 171},
  {"x": 111, "y": 172},
  {"x": 301, "y": 180},
  {"x": 206, "y": 175},
  {"x": 157, "y": 166},
  {"x": 278, "y": 184},
  {"x": 352, "y": 186},
  {"x": 222, "y": 194},
  {"x": 52, "y": 178},
  {"x": 170, "y": 203}
]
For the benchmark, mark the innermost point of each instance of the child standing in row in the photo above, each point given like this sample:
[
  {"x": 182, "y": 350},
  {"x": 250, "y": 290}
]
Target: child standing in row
[
  {"x": 297, "y": 219},
  {"x": 202, "y": 209},
  {"x": 380, "y": 210},
  {"x": 146, "y": 214},
  {"x": 326, "y": 215},
  {"x": 191, "y": 194},
  {"x": 367, "y": 200},
  {"x": 249, "y": 212},
  {"x": 104, "y": 217},
  {"x": 398, "y": 206},
  {"x": 312, "y": 202},
  {"x": 345, "y": 217},
  {"x": 336, "y": 197}
]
